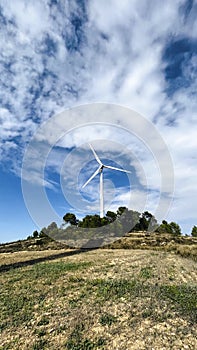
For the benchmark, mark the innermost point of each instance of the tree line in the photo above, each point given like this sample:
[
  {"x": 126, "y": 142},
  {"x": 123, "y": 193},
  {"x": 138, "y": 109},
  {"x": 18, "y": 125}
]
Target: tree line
[
  {"x": 131, "y": 219},
  {"x": 122, "y": 221}
]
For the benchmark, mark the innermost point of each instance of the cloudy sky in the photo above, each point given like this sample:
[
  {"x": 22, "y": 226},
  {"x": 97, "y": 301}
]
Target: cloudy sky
[{"x": 58, "y": 55}]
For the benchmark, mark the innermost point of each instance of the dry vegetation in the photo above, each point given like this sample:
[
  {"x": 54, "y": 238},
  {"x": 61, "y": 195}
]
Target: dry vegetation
[
  {"x": 185, "y": 246},
  {"x": 98, "y": 299}
]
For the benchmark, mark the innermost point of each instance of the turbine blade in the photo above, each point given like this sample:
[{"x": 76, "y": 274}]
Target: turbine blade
[
  {"x": 97, "y": 158},
  {"x": 113, "y": 168},
  {"x": 95, "y": 173}
]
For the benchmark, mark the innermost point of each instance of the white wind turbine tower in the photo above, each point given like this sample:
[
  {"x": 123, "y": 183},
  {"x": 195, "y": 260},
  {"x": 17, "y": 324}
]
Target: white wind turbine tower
[{"x": 100, "y": 170}]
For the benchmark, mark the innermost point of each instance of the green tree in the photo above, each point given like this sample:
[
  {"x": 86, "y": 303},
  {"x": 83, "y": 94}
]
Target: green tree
[
  {"x": 35, "y": 234},
  {"x": 70, "y": 218},
  {"x": 105, "y": 221},
  {"x": 121, "y": 210},
  {"x": 175, "y": 228},
  {"x": 153, "y": 224},
  {"x": 172, "y": 228},
  {"x": 43, "y": 233},
  {"x": 52, "y": 229},
  {"x": 52, "y": 226},
  {"x": 129, "y": 220},
  {"x": 90, "y": 221},
  {"x": 164, "y": 227},
  {"x": 111, "y": 216},
  {"x": 144, "y": 222},
  {"x": 194, "y": 231}
]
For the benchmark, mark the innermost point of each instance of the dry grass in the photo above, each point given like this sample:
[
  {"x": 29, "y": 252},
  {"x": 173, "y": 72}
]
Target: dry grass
[
  {"x": 181, "y": 245},
  {"x": 99, "y": 299},
  {"x": 187, "y": 251}
]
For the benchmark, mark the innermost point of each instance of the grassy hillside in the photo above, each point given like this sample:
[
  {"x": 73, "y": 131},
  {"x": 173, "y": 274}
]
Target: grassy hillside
[
  {"x": 98, "y": 299},
  {"x": 30, "y": 244},
  {"x": 185, "y": 246}
]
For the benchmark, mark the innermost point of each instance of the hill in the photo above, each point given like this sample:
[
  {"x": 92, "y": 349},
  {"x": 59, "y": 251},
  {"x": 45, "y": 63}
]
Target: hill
[
  {"x": 183, "y": 245},
  {"x": 98, "y": 299},
  {"x": 30, "y": 244}
]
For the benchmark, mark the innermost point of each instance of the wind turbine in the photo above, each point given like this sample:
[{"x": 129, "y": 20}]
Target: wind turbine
[{"x": 100, "y": 170}]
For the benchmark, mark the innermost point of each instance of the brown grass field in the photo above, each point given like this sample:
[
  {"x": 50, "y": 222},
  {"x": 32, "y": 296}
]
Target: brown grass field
[{"x": 98, "y": 299}]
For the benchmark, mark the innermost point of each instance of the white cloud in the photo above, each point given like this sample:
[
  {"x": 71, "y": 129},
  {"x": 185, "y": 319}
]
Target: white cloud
[{"x": 118, "y": 60}]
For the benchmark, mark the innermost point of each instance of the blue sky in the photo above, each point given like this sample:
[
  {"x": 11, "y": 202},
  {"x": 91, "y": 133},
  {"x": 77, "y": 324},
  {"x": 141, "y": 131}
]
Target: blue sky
[{"x": 56, "y": 55}]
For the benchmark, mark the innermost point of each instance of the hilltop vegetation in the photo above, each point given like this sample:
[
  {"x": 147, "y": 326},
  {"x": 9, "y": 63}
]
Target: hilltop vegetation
[
  {"x": 124, "y": 229},
  {"x": 93, "y": 231},
  {"x": 126, "y": 220},
  {"x": 113, "y": 224}
]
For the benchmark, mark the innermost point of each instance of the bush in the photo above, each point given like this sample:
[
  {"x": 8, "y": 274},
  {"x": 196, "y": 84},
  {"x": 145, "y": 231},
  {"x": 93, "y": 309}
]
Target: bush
[{"x": 194, "y": 231}]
